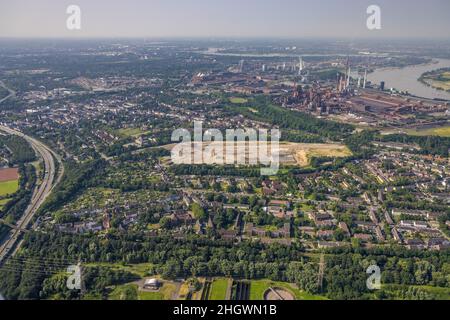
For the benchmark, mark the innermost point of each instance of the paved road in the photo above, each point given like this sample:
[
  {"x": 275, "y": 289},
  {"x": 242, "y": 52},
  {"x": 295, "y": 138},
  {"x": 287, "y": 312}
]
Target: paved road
[
  {"x": 12, "y": 93},
  {"x": 40, "y": 193}
]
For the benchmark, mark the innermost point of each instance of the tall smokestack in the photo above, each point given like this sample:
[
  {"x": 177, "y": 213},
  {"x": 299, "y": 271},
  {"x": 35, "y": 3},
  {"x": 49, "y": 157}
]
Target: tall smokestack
[
  {"x": 365, "y": 79},
  {"x": 348, "y": 77},
  {"x": 300, "y": 65}
]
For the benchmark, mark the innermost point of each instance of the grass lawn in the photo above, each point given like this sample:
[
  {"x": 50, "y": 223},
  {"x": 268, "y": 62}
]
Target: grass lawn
[
  {"x": 164, "y": 293},
  {"x": 218, "y": 289},
  {"x": 258, "y": 287},
  {"x": 184, "y": 291},
  {"x": 8, "y": 187},
  {"x": 237, "y": 100},
  {"x": 270, "y": 228},
  {"x": 131, "y": 292},
  {"x": 3, "y": 202},
  {"x": 440, "y": 131},
  {"x": 129, "y": 132},
  {"x": 153, "y": 226},
  {"x": 124, "y": 292},
  {"x": 144, "y": 295}
]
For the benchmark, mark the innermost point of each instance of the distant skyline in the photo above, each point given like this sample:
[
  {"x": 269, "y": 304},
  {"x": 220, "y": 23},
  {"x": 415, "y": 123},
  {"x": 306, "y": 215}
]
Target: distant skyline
[{"x": 226, "y": 18}]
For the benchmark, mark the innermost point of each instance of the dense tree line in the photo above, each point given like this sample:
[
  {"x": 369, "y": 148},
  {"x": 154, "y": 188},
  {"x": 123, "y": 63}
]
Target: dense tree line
[
  {"x": 77, "y": 176},
  {"x": 14, "y": 208},
  {"x": 344, "y": 277},
  {"x": 212, "y": 170},
  {"x": 360, "y": 144},
  {"x": 293, "y": 120},
  {"x": 433, "y": 145},
  {"x": 21, "y": 151}
]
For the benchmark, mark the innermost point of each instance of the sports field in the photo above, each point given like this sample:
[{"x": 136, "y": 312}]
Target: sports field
[{"x": 8, "y": 187}]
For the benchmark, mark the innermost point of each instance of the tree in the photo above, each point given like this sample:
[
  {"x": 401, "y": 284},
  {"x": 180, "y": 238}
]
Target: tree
[
  {"x": 198, "y": 212},
  {"x": 165, "y": 223}
]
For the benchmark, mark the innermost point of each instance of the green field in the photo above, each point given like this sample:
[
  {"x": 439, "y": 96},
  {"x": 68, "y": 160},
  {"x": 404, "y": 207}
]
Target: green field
[
  {"x": 439, "y": 79},
  {"x": 8, "y": 187},
  {"x": 440, "y": 131},
  {"x": 131, "y": 292},
  {"x": 143, "y": 295},
  {"x": 124, "y": 292},
  {"x": 219, "y": 289},
  {"x": 258, "y": 287},
  {"x": 130, "y": 132},
  {"x": 236, "y": 100}
]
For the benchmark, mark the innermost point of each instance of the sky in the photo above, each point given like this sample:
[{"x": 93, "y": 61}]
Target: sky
[{"x": 225, "y": 18}]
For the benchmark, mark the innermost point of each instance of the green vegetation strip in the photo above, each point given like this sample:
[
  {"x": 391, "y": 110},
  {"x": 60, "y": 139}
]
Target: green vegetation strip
[{"x": 219, "y": 289}]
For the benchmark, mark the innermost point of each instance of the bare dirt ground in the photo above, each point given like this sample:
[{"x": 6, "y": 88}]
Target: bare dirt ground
[
  {"x": 289, "y": 153},
  {"x": 9, "y": 174}
]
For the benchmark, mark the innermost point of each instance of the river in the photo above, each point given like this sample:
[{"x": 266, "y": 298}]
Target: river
[{"x": 406, "y": 79}]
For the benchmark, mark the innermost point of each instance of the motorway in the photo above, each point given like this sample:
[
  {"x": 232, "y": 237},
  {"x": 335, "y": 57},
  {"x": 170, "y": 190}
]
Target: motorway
[
  {"x": 41, "y": 192},
  {"x": 11, "y": 93}
]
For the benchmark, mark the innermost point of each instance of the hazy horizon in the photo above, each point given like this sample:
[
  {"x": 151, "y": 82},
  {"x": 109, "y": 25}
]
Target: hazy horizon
[{"x": 273, "y": 19}]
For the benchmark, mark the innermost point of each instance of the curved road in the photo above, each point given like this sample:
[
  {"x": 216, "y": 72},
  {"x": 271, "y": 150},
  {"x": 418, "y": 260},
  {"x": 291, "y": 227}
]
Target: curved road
[{"x": 40, "y": 193}]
